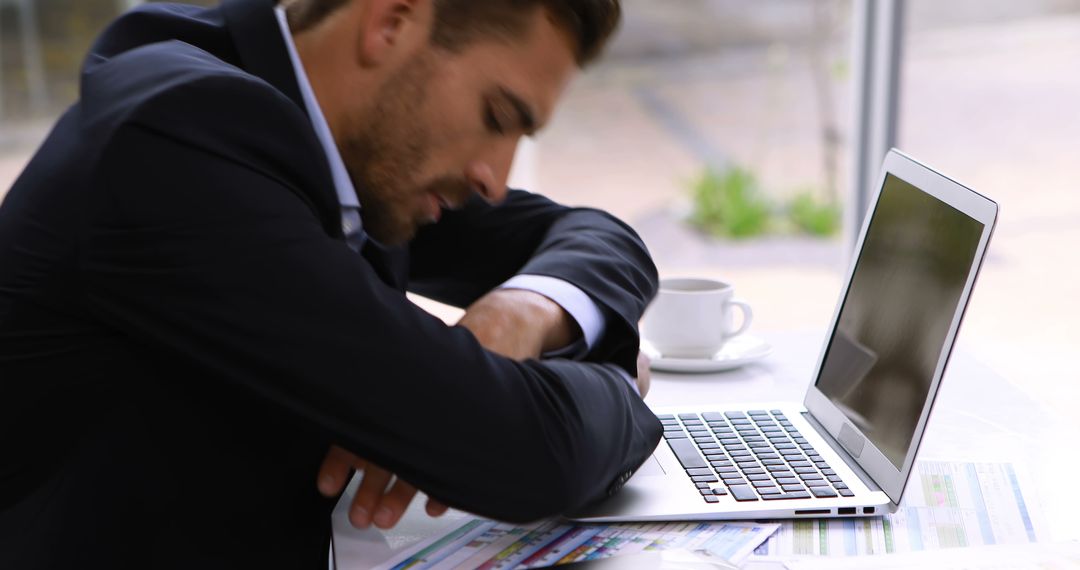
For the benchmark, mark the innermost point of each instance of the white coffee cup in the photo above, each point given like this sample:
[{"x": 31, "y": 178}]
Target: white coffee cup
[{"x": 693, "y": 318}]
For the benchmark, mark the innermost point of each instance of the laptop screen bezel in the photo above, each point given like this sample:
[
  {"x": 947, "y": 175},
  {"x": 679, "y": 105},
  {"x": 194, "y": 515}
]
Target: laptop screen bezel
[{"x": 871, "y": 459}]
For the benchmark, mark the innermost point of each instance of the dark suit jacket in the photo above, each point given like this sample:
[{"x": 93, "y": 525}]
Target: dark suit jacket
[{"x": 183, "y": 331}]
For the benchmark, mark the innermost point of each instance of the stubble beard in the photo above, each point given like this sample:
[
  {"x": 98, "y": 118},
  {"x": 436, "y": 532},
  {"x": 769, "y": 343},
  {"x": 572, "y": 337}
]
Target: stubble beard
[{"x": 383, "y": 153}]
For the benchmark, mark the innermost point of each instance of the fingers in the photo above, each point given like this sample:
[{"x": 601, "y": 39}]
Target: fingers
[
  {"x": 372, "y": 487},
  {"x": 334, "y": 472},
  {"x": 435, "y": 508},
  {"x": 393, "y": 504}
]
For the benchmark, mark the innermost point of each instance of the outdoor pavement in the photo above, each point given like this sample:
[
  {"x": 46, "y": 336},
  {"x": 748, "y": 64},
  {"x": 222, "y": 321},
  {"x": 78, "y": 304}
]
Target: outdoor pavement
[{"x": 993, "y": 106}]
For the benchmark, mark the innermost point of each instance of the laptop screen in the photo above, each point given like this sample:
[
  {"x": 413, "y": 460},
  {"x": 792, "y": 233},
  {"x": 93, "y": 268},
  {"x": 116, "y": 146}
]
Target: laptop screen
[{"x": 906, "y": 287}]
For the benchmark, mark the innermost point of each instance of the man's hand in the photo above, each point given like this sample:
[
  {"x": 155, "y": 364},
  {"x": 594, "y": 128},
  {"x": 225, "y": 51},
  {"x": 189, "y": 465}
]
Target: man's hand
[
  {"x": 520, "y": 324},
  {"x": 374, "y": 502},
  {"x": 643, "y": 377}
]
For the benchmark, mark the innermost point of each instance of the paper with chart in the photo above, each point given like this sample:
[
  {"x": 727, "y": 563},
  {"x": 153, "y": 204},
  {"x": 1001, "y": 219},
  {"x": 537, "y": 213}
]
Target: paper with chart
[
  {"x": 1043, "y": 556},
  {"x": 946, "y": 505},
  {"x": 491, "y": 545}
]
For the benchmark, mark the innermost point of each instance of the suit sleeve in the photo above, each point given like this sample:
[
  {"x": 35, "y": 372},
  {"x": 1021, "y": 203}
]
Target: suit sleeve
[
  {"x": 200, "y": 247},
  {"x": 474, "y": 250}
]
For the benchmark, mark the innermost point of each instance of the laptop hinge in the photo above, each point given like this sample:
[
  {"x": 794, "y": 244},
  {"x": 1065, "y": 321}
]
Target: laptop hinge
[{"x": 839, "y": 449}]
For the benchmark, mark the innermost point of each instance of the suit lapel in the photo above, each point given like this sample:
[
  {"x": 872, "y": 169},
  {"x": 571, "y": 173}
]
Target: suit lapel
[{"x": 257, "y": 37}]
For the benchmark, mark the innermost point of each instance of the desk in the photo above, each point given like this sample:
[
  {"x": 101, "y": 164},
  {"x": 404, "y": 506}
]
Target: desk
[{"x": 978, "y": 416}]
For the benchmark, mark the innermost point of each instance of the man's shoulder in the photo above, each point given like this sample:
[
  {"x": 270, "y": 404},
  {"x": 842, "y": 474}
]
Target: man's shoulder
[{"x": 172, "y": 81}]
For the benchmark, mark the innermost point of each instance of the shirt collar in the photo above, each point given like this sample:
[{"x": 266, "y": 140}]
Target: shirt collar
[{"x": 346, "y": 192}]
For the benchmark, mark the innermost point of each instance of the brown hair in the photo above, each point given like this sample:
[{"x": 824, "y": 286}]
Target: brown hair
[{"x": 460, "y": 22}]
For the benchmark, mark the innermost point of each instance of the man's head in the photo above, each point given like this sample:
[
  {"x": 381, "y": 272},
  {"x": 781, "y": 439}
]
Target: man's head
[{"x": 427, "y": 99}]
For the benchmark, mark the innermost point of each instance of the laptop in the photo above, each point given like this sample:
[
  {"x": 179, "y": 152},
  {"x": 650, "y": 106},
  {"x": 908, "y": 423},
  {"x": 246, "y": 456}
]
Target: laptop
[{"x": 848, "y": 449}]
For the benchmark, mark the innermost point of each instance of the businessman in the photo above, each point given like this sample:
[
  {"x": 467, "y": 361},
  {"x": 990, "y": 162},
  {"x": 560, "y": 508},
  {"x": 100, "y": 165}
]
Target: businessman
[{"x": 203, "y": 323}]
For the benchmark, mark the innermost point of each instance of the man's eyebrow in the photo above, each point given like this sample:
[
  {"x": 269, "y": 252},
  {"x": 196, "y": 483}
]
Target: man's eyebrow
[{"x": 525, "y": 113}]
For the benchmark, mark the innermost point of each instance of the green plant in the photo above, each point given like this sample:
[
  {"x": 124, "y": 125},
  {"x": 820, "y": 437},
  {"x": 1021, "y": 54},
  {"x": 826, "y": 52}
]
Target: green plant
[
  {"x": 819, "y": 218},
  {"x": 729, "y": 204}
]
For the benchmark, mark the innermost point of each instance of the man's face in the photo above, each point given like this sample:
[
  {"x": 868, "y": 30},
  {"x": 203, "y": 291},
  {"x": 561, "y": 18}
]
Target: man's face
[{"x": 446, "y": 125}]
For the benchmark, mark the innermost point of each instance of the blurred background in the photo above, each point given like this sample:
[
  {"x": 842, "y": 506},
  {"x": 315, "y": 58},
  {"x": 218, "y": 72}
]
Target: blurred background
[{"x": 723, "y": 131}]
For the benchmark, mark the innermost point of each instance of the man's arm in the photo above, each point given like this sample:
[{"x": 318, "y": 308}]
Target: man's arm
[
  {"x": 217, "y": 261},
  {"x": 471, "y": 251}
]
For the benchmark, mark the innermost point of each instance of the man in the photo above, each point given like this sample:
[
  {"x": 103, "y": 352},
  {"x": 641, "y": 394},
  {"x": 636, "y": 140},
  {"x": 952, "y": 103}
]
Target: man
[{"x": 203, "y": 273}]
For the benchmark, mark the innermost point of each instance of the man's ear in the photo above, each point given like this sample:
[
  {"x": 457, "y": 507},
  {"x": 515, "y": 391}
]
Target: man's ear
[{"x": 391, "y": 27}]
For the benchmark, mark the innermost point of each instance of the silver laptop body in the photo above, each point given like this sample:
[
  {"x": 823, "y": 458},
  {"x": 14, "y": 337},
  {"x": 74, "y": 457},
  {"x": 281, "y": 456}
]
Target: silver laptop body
[{"x": 849, "y": 448}]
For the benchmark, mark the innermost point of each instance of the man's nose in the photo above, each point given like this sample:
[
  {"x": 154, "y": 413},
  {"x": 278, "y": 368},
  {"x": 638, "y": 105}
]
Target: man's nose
[
  {"x": 484, "y": 181},
  {"x": 488, "y": 175}
]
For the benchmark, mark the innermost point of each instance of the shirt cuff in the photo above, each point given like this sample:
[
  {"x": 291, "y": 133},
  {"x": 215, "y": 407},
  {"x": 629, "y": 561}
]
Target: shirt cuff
[{"x": 581, "y": 308}]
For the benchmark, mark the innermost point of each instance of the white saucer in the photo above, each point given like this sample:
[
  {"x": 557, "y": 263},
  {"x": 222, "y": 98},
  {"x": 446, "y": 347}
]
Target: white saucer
[{"x": 737, "y": 352}]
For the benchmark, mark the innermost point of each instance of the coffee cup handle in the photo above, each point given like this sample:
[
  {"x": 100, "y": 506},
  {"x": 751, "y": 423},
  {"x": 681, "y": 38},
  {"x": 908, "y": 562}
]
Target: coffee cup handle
[{"x": 748, "y": 317}]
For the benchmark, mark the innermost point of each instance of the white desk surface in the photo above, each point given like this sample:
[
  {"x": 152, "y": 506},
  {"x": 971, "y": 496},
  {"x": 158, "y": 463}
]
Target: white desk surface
[{"x": 978, "y": 416}]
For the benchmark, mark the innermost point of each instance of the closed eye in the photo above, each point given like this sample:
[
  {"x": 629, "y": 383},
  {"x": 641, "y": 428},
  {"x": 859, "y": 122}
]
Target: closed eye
[{"x": 491, "y": 120}]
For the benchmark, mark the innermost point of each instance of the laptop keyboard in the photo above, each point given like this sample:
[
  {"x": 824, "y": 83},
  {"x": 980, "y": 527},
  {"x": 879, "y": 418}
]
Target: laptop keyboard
[{"x": 755, "y": 455}]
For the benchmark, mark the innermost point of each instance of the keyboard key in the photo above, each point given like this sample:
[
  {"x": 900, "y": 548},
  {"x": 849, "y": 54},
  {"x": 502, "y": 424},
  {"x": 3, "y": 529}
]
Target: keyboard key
[
  {"x": 764, "y": 456},
  {"x": 759, "y": 477},
  {"x": 709, "y": 445},
  {"x": 704, "y": 478},
  {"x": 713, "y": 416},
  {"x": 822, "y": 492},
  {"x": 706, "y": 491},
  {"x": 687, "y": 453},
  {"x": 719, "y": 491},
  {"x": 731, "y": 469},
  {"x": 743, "y": 492},
  {"x": 730, "y": 441},
  {"x": 674, "y": 435},
  {"x": 663, "y": 417},
  {"x": 810, "y": 477},
  {"x": 834, "y": 478},
  {"x": 721, "y": 463},
  {"x": 817, "y": 483},
  {"x": 792, "y": 487},
  {"x": 734, "y": 482},
  {"x": 779, "y": 462},
  {"x": 702, "y": 485},
  {"x": 788, "y": 453},
  {"x": 787, "y": 480},
  {"x": 754, "y": 471},
  {"x": 763, "y": 484},
  {"x": 768, "y": 491},
  {"x": 699, "y": 471},
  {"x": 734, "y": 415},
  {"x": 783, "y": 496},
  {"x": 685, "y": 417},
  {"x": 803, "y": 469},
  {"x": 701, "y": 440},
  {"x": 839, "y": 486},
  {"x": 711, "y": 498},
  {"x": 846, "y": 493},
  {"x": 800, "y": 464},
  {"x": 828, "y": 472}
]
